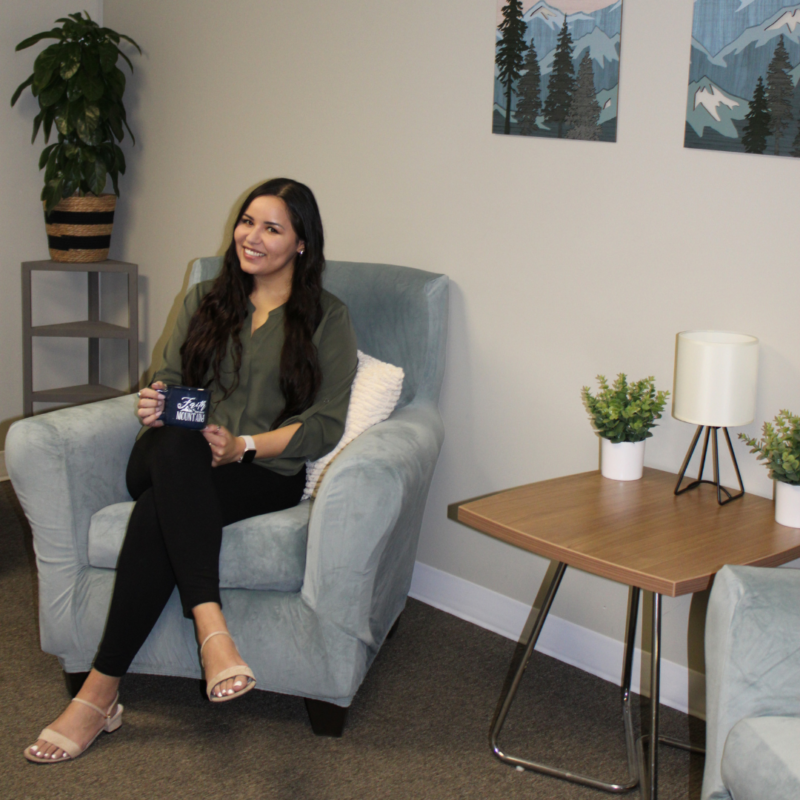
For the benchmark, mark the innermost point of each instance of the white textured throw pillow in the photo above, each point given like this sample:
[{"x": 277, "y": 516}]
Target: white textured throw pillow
[{"x": 376, "y": 390}]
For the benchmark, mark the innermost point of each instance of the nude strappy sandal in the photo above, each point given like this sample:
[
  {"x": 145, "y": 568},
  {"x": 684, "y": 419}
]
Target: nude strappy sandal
[
  {"x": 111, "y": 723},
  {"x": 231, "y": 672}
]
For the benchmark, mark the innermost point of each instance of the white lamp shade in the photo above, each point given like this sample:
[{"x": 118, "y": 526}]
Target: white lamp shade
[{"x": 715, "y": 378}]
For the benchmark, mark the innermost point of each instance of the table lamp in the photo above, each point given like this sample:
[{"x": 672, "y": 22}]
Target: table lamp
[{"x": 715, "y": 387}]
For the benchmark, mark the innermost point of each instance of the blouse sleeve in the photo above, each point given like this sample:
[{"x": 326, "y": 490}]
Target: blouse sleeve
[{"x": 322, "y": 425}]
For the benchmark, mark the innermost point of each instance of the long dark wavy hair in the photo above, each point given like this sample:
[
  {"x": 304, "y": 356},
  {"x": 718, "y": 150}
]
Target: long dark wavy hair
[{"x": 223, "y": 310}]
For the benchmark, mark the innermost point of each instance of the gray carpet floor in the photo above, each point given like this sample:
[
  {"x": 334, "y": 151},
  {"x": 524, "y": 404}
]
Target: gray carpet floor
[{"x": 418, "y": 727}]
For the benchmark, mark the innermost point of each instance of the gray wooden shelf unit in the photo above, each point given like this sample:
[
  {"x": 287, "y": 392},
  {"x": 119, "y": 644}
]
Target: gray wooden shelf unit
[{"x": 92, "y": 329}]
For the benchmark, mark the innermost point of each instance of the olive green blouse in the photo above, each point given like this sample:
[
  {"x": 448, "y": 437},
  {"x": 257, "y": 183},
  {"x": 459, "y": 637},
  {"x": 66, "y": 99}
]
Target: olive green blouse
[{"x": 257, "y": 400}]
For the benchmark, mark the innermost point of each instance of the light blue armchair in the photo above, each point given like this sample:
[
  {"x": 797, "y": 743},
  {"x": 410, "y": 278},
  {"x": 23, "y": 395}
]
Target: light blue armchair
[
  {"x": 753, "y": 685},
  {"x": 310, "y": 593}
]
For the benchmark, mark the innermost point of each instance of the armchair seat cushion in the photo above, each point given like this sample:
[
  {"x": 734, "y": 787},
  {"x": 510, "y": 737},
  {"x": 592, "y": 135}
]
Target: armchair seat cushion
[
  {"x": 761, "y": 760},
  {"x": 263, "y": 553}
]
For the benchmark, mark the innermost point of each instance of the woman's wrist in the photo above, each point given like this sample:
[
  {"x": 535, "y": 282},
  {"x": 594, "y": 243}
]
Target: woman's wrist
[{"x": 246, "y": 451}]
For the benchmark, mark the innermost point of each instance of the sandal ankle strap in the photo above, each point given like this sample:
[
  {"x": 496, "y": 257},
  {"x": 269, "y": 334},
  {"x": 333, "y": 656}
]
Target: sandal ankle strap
[
  {"x": 103, "y": 714},
  {"x": 211, "y": 635}
]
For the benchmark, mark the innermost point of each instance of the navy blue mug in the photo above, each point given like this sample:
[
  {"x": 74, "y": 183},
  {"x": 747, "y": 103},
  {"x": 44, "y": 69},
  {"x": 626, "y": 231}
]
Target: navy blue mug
[{"x": 185, "y": 407}]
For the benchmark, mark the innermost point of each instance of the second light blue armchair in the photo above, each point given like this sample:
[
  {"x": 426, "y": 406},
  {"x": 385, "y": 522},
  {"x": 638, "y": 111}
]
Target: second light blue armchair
[
  {"x": 310, "y": 593},
  {"x": 753, "y": 685}
]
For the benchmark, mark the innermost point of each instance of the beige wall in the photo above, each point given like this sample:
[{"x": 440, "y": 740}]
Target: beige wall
[{"x": 567, "y": 258}]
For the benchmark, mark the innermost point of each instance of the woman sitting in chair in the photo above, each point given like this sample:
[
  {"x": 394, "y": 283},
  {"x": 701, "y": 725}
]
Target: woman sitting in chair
[{"x": 278, "y": 354}]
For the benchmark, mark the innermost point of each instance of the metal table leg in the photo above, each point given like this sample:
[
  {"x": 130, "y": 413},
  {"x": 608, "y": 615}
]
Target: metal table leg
[
  {"x": 507, "y": 699},
  {"x": 630, "y": 641},
  {"x": 649, "y": 770},
  {"x": 655, "y": 696},
  {"x": 648, "y": 767}
]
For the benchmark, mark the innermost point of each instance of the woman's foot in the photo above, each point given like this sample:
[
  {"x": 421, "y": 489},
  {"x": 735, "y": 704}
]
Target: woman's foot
[
  {"x": 221, "y": 660},
  {"x": 227, "y": 676},
  {"x": 80, "y": 723}
]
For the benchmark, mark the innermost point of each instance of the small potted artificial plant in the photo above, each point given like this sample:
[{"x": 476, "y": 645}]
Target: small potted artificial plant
[
  {"x": 623, "y": 414},
  {"x": 79, "y": 89},
  {"x": 780, "y": 449}
]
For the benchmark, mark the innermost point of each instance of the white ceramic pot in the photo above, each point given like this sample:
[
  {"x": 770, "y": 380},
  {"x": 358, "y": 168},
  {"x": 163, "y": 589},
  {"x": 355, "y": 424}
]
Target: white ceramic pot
[
  {"x": 787, "y": 504},
  {"x": 623, "y": 461}
]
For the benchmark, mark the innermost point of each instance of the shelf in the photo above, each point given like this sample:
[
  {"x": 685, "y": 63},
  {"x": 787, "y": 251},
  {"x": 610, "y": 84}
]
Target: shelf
[
  {"x": 92, "y": 329},
  {"x": 85, "y": 393},
  {"x": 109, "y": 265},
  {"x": 83, "y": 329}
]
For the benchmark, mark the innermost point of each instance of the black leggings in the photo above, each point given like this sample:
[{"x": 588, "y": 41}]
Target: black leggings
[{"x": 175, "y": 532}]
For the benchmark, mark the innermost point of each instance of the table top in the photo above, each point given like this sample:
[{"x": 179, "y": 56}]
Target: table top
[{"x": 636, "y": 532}]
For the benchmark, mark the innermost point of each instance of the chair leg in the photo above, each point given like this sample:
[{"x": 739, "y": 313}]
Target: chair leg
[
  {"x": 327, "y": 719},
  {"x": 394, "y": 627},
  {"x": 74, "y": 681}
]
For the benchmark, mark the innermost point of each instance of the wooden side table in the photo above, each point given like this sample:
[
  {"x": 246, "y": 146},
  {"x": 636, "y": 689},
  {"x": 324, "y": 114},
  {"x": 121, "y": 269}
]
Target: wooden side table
[
  {"x": 638, "y": 533},
  {"x": 91, "y": 328}
]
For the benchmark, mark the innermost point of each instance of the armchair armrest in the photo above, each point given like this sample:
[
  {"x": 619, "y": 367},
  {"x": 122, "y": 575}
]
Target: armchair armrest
[
  {"x": 66, "y": 465},
  {"x": 752, "y": 651},
  {"x": 364, "y": 525}
]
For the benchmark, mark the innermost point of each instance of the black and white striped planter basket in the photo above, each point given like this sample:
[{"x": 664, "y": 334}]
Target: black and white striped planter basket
[{"x": 79, "y": 228}]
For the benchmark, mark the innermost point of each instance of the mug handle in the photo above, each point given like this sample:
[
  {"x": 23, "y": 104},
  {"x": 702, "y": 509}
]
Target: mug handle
[{"x": 165, "y": 393}]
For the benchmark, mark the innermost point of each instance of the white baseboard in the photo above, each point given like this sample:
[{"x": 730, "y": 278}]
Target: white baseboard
[{"x": 595, "y": 653}]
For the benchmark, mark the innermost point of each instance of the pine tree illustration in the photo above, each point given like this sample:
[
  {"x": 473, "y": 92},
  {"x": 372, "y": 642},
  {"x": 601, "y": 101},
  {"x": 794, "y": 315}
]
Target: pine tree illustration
[
  {"x": 561, "y": 85},
  {"x": 585, "y": 110},
  {"x": 796, "y": 145},
  {"x": 510, "y": 51},
  {"x": 779, "y": 93},
  {"x": 756, "y": 129},
  {"x": 796, "y": 112},
  {"x": 529, "y": 105}
]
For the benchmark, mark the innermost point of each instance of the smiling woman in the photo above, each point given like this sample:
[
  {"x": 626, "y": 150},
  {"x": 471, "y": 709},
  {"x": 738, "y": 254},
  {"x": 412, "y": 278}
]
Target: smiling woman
[{"x": 277, "y": 354}]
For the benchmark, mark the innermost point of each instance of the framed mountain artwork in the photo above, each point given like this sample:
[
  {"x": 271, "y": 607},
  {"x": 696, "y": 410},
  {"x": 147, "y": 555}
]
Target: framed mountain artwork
[
  {"x": 557, "y": 68},
  {"x": 743, "y": 79}
]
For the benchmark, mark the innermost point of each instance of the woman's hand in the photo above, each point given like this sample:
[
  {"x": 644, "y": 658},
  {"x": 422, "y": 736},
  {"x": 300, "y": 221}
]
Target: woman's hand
[
  {"x": 225, "y": 447},
  {"x": 151, "y": 405}
]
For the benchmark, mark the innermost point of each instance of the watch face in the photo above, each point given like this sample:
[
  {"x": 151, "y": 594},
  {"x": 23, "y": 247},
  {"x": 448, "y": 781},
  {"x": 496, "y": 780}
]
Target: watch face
[{"x": 248, "y": 456}]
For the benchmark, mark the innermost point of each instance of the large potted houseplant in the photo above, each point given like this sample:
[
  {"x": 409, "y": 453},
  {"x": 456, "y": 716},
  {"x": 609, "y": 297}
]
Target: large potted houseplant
[
  {"x": 622, "y": 415},
  {"x": 79, "y": 88},
  {"x": 780, "y": 449}
]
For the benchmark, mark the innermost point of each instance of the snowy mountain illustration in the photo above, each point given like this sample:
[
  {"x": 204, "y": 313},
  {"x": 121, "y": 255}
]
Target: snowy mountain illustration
[
  {"x": 717, "y": 23},
  {"x": 542, "y": 12},
  {"x": 734, "y": 43},
  {"x": 709, "y": 107},
  {"x": 608, "y": 104},
  {"x": 738, "y": 65}
]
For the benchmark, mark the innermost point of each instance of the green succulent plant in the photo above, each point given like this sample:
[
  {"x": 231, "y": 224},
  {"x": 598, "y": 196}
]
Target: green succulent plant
[
  {"x": 624, "y": 412},
  {"x": 79, "y": 88},
  {"x": 780, "y": 447}
]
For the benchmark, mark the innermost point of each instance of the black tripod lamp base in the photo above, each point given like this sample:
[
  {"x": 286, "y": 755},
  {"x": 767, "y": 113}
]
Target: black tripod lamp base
[{"x": 711, "y": 433}]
